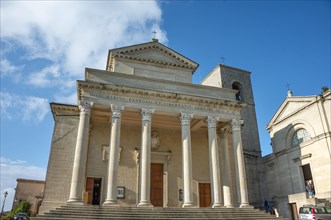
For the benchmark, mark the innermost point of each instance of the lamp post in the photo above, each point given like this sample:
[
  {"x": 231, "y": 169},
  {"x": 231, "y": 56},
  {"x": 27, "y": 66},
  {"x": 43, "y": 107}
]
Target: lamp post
[{"x": 3, "y": 204}]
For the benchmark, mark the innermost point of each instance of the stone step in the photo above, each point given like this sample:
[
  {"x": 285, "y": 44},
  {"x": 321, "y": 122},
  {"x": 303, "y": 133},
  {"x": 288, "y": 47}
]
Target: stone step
[
  {"x": 87, "y": 212},
  {"x": 154, "y": 210}
]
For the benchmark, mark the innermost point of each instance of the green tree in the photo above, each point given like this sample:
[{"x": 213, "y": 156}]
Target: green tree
[
  {"x": 22, "y": 206},
  {"x": 325, "y": 89}
]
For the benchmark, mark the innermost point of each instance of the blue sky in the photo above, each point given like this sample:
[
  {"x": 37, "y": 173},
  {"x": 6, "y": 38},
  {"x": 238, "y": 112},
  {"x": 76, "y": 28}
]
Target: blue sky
[{"x": 45, "y": 46}]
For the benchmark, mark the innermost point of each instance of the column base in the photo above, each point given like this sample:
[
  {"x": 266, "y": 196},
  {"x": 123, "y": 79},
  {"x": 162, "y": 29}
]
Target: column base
[
  {"x": 217, "y": 205},
  {"x": 229, "y": 206},
  {"x": 246, "y": 206},
  {"x": 110, "y": 203},
  {"x": 75, "y": 201},
  {"x": 188, "y": 205},
  {"x": 145, "y": 204}
]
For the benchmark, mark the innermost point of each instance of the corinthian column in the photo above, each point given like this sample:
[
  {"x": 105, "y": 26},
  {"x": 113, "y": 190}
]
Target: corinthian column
[
  {"x": 226, "y": 168},
  {"x": 215, "y": 178},
  {"x": 145, "y": 160},
  {"x": 111, "y": 199},
  {"x": 78, "y": 170},
  {"x": 239, "y": 163},
  {"x": 187, "y": 160}
]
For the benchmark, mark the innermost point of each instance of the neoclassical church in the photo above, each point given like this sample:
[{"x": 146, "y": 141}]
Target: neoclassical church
[
  {"x": 300, "y": 135},
  {"x": 143, "y": 135}
]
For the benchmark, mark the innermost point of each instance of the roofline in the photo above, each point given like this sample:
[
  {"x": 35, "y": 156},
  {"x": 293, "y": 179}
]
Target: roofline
[
  {"x": 30, "y": 180},
  {"x": 224, "y": 66}
]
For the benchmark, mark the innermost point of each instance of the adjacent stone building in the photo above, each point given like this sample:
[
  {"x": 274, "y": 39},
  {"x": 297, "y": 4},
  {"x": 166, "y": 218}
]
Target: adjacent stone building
[
  {"x": 31, "y": 191},
  {"x": 143, "y": 135},
  {"x": 300, "y": 135}
]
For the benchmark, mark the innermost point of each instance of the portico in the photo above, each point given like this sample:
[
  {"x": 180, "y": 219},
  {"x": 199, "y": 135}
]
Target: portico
[{"x": 207, "y": 114}]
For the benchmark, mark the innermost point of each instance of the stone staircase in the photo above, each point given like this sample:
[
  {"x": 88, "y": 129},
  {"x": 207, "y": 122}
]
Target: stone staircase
[{"x": 88, "y": 212}]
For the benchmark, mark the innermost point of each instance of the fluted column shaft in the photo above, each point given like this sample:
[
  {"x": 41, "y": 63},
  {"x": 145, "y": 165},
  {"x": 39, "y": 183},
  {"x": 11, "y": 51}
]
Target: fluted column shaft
[
  {"x": 145, "y": 159},
  {"x": 187, "y": 160},
  {"x": 226, "y": 169},
  {"x": 115, "y": 133},
  {"x": 78, "y": 171},
  {"x": 239, "y": 163},
  {"x": 215, "y": 177}
]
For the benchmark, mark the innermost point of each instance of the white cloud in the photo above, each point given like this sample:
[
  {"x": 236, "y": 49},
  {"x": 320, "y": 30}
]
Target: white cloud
[
  {"x": 70, "y": 99},
  {"x": 8, "y": 69},
  {"x": 13, "y": 169},
  {"x": 29, "y": 108},
  {"x": 73, "y": 35},
  {"x": 50, "y": 76}
]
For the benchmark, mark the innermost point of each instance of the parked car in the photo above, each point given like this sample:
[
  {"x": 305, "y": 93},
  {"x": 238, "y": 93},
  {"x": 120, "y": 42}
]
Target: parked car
[
  {"x": 311, "y": 212},
  {"x": 21, "y": 216}
]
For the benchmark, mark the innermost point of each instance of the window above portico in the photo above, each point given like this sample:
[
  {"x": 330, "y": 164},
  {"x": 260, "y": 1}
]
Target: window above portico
[{"x": 300, "y": 136}]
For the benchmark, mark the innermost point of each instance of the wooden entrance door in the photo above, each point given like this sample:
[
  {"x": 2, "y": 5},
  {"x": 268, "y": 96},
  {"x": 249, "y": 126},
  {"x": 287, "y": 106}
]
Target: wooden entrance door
[
  {"x": 204, "y": 195},
  {"x": 294, "y": 211},
  {"x": 157, "y": 184},
  {"x": 93, "y": 188}
]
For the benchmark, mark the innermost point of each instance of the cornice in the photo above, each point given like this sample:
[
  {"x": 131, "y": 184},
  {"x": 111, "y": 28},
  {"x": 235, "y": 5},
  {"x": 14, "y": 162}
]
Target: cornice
[
  {"x": 30, "y": 181},
  {"x": 64, "y": 109},
  {"x": 151, "y": 61}
]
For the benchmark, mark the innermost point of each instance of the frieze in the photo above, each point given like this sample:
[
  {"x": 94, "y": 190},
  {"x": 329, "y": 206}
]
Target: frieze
[{"x": 160, "y": 104}]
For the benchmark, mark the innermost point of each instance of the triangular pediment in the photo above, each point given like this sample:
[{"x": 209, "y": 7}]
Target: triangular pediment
[
  {"x": 290, "y": 106},
  {"x": 153, "y": 53}
]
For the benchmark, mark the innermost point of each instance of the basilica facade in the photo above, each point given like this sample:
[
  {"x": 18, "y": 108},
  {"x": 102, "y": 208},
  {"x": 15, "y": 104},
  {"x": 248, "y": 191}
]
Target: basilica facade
[{"x": 143, "y": 135}]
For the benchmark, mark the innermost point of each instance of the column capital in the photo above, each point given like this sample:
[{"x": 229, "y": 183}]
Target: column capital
[
  {"x": 116, "y": 110},
  {"x": 85, "y": 106},
  {"x": 146, "y": 114},
  {"x": 211, "y": 121},
  {"x": 236, "y": 124},
  {"x": 185, "y": 118}
]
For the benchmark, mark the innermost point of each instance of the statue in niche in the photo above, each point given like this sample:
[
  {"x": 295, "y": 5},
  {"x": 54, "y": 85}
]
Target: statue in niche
[
  {"x": 105, "y": 152},
  {"x": 155, "y": 140}
]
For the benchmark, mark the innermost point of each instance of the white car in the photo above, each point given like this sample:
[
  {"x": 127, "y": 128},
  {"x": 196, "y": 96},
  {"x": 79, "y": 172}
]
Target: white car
[{"x": 311, "y": 212}]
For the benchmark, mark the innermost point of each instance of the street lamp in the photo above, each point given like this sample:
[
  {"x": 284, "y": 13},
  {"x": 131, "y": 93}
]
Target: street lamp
[{"x": 4, "y": 200}]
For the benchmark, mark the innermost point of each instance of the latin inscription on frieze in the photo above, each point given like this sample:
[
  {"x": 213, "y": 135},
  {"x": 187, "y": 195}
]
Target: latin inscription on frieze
[{"x": 156, "y": 103}]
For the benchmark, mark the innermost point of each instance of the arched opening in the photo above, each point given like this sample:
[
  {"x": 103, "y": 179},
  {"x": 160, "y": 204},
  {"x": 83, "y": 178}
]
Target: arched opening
[
  {"x": 301, "y": 135},
  {"x": 237, "y": 86}
]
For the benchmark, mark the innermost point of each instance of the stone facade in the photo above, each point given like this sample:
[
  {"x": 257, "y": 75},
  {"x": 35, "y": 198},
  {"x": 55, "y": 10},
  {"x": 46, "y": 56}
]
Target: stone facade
[
  {"x": 102, "y": 153},
  {"x": 300, "y": 135},
  {"x": 31, "y": 191}
]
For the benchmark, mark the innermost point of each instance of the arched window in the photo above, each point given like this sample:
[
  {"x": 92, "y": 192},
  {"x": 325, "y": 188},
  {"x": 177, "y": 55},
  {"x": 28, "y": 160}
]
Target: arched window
[
  {"x": 237, "y": 86},
  {"x": 300, "y": 136}
]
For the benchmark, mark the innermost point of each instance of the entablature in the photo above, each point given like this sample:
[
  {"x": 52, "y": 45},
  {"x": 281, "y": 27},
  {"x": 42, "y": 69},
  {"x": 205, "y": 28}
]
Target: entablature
[{"x": 165, "y": 102}]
